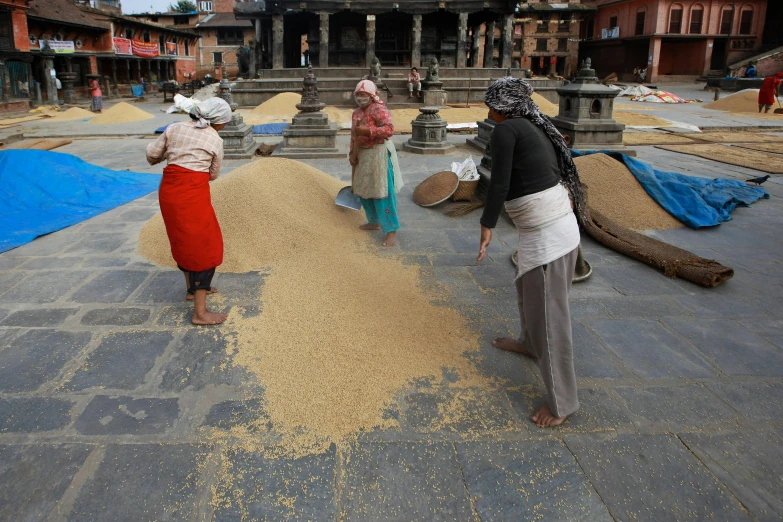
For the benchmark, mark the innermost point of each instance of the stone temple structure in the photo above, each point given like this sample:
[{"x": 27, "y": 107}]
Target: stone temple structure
[
  {"x": 238, "y": 142},
  {"x": 428, "y": 135},
  {"x": 585, "y": 114},
  {"x": 310, "y": 135}
]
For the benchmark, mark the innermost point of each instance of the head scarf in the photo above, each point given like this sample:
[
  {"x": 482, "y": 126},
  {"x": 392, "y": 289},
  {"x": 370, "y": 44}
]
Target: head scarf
[
  {"x": 211, "y": 110},
  {"x": 511, "y": 97},
  {"x": 368, "y": 87}
]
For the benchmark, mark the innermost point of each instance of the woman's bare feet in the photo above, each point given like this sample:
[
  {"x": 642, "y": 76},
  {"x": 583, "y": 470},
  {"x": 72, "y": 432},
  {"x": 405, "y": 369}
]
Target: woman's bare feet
[
  {"x": 543, "y": 418},
  {"x": 391, "y": 239},
  {"x": 190, "y": 297},
  {"x": 370, "y": 226},
  {"x": 511, "y": 345},
  {"x": 208, "y": 317}
]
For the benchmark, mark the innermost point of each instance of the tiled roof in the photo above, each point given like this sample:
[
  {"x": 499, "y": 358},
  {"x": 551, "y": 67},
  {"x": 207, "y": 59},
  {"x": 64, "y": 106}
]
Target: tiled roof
[
  {"x": 223, "y": 20},
  {"x": 63, "y": 12}
]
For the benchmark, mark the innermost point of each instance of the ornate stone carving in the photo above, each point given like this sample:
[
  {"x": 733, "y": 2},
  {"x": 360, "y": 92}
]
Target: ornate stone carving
[{"x": 310, "y": 100}]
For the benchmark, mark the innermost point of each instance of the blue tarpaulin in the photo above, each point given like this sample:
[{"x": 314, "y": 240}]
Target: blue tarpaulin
[
  {"x": 43, "y": 191},
  {"x": 270, "y": 128},
  {"x": 697, "y": 202},
  {"x": 161, "y": 130},
  {"x": 137, "y": 90}
]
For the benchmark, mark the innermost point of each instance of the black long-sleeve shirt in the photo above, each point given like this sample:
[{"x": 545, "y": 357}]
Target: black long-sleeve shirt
[{"x": 524, "y": 161}]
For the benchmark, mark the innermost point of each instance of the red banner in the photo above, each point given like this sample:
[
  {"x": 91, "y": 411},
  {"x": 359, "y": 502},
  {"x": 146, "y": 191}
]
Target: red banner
[
  {"x": 553, "y": 60},
  {"x": 147, "y": 50},
  {"x": 541, "y": 62},
  {"x": 122, "y": 46}
]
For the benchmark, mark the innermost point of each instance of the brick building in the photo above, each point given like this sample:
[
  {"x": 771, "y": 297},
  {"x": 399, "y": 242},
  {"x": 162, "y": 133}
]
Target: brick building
[
  {"x": 674, "y": 39},
  {"x": 89, "y": 37}
]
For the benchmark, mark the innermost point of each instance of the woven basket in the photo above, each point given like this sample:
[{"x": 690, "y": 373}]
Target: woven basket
[
  {"x": 436, "y": 189},
  {"x": 466, "y": 190}
]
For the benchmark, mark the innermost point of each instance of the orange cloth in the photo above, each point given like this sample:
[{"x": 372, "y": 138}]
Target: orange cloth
[{"x": 191, "y": 223}]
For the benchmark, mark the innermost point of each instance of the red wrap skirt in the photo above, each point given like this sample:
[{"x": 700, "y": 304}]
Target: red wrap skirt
[{"x": 191, "y": 223}]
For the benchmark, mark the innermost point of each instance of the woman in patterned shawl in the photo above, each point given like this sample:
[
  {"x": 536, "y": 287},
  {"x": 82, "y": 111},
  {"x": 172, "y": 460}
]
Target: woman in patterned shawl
[{"x": 376, "y": 172}]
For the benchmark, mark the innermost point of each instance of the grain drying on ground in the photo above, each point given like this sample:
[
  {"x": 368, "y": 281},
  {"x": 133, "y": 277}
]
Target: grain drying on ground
[
  {"x": 777, "y": 148},
  {"x": 613, "y": 191},
  {"x": 283, "y": 104},
  {"x": 14, "y": 121},
  {"x": 752, "y": 159},
  {"x": 653, "y": 138},
  {"x": 121, "y": 113},
  {"x": 74, "y": 113},
  {"x": 738, "y": 137},
  {"x": 746, "y": 101},
  {"x": 343, "y": 330},
  {"x": 639, "y": 120}
]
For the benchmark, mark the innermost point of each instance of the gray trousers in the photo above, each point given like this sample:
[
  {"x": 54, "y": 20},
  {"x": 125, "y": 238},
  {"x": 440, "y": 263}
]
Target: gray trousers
[{"x": 546, "y": 329}]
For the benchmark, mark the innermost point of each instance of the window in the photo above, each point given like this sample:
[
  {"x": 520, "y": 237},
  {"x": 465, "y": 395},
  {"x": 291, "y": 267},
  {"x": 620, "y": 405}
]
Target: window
[
  {"x": 675, "y": 20},
  {"x": 180, "y": 20},
  {"x": 564, "y": 25},
  {"x": 6, "y": 33},
  {"x": 217, "y": 58},
  {"x": 205, "y": 6},
  {"x": 541, "y": 44},
  {"x": 146, "y": 37},
  {"x": 230, "y": 37},
  {"x": 129, "y": 34},
  {"x": 612, "y": 22},
  {"x": 186, "y": 44},
  {"x": 640, "y": 18},
  {"x": 562, "y": 45},
  {"x": 162, "y": 44},
  {"x": 746, "y": 22},
  {"x": 726, "y": 21},
  {"x": 697, "y": 15},
  {"x": 543, "y": 27}
]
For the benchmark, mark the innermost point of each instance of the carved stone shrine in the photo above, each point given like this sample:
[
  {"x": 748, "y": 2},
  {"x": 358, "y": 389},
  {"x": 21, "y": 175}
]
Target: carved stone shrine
[
  {"x": 432, "y": 87},
  {"x": 429, "y": 133},
  {"x": 310, "y": 135},
  {"x": 238, "y": 142}
]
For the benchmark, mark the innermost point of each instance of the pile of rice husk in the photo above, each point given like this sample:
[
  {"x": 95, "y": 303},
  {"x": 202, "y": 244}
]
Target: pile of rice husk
[
  {"x": 74, "y": 113},
  {"x": 640, "y": 120},
  {"x": 738, "y": 137},
  {"x": 752, "y": 159},
  {"x": 746, "y": 101},
  {"x": 342, "y": 329},
  {"x": 776, "y": 148},
  {"x": 613, "y": 191},
  {"x": 121, "y": 113},
  {"x": 653, "y": 138}
]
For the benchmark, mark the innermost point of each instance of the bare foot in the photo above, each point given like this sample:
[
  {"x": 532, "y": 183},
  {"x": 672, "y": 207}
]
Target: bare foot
[
  {"x": 543, "y": 418},
  {"x": 370, "y": 226},
  {"x": 391, "y": 239},
  {"x": 208, "y": 318},
  {"x": 511, "y": 345},
  {"x": 190, "y": 297}
]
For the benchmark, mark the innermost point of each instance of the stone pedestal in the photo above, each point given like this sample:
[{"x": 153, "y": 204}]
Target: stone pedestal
[
  {"x": 310, "y": 135},
  {"x": 481, "y": 140},
  {"x": 68, "y": 79},
  {"x": 238, "y": 142},
  {"x": 429, "y": 133},
  {"x": 434, "y": 98},
  {"x": 585, "y": 115}
]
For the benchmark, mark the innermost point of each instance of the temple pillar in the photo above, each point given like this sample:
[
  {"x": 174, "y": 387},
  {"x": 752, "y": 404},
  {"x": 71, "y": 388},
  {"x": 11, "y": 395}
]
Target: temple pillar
[
  {"x": 370, "y": 45},
  {"x": 475, "y": 46},
  {"x": 277, "y": 42},
  {"x": 416, "y": 42},
  {"x": 489, "y": 45},
  {"x": 462, "y": 40},
  {"x": 654, "y": 54},
  {"x": 323, "y": 38},
  {"x": 507, "y": 41},
  {"x": 114, "y": 72}
]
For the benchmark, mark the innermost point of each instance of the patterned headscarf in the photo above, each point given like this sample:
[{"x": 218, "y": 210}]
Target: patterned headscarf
[
  {"x": 368, "y": 87},
  {"x": 511, "y": 97},
  {"x": 211, "y": 110}
]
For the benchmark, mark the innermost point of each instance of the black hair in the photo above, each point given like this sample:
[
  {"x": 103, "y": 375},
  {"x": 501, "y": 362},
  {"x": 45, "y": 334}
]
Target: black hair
[{"x": 414, "y": 69}]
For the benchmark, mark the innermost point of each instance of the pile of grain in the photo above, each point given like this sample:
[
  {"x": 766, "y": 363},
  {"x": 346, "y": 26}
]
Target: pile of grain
[
  {"x": 742, "y": 101},
  {"x": 283, "y": 104},
  {"x": 74, "y": 113},
  {"x": 653, "y": 138},
  {"x": 640, "y": 120},
  {"x": 742, "y": 157},
  {"x": 613, "y": 191},
  {"x": 546, "y": 106},
  {"x": 121, "y": 113},
  {"x": 343, "y": 330}
]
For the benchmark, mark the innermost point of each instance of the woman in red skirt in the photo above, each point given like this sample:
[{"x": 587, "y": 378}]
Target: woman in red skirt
[
  {"x": 769, "y": 91},
  {"x": 194, "y": 152}
]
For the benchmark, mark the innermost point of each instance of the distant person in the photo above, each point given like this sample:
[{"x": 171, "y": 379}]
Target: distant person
[
  {"x": 194, "y": 152},
  {"x": 96, "y": 96},
  {"x": 769, "y": 91},
  {"x": 643, "y": 75},
  {"x": 751, "y": 71},
  {"x": 637, "y": 77},
  {"x": 143, "y": 83},
  {"x": 414, "y": 82}
]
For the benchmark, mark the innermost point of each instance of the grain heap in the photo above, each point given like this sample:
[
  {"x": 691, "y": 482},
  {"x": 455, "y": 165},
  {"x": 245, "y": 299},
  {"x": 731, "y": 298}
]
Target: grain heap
[
  {"x": 122, "y": 113},
  {"x": 74, "y": 113},
  {"x": 283, "y": 104},
  {"x": 613, "y": 191},
  {"x": 343, "y": 330},
  {"x": 742, "y": 101}
]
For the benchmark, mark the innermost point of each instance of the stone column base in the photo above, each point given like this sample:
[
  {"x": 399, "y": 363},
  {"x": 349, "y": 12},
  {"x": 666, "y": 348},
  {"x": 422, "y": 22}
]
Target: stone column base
[
  {"x": 435, "y": 98},
  {"x": 238, "y": 142},
  {"x": 309, "y": 136}
]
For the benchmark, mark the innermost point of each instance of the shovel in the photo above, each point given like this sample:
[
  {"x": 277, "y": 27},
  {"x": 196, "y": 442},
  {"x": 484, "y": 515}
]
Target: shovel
[
  {"x": 346, "y": 198},
  {"x": 780, "y": 110}
]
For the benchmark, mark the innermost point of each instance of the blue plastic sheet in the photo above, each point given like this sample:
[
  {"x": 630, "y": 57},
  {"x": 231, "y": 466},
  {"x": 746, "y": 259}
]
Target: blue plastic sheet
[
  {"x": 161, "y": 130},
  {"x": 270, "y": 128},
  {"x": 43, "y": 191},
  {"x": 137, "y": 90},
  {"x": 697, "y": 202}
]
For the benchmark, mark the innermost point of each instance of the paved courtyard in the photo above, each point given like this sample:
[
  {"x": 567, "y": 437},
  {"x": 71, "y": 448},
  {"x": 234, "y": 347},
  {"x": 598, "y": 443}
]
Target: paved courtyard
[{"x": 105, "y": 388}]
